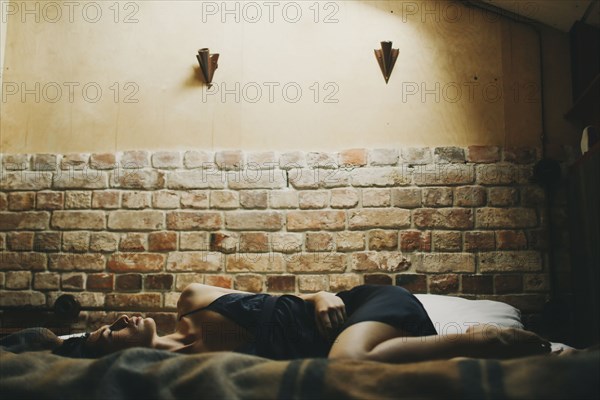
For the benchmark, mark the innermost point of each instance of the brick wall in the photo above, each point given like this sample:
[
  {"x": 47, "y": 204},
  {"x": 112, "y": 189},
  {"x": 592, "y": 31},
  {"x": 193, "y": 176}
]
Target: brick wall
[{"x": 128, "y": 231}]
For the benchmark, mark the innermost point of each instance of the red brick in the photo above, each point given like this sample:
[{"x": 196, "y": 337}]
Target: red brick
[
  {"x": 353, "y": 157},
  {"x": 74, "y": 161},
  {"x": 194, "y": 199},
  {"x": 103, "y": 161},
  {"x": 254, "y": 242},
  {"x": 46, "y": 281},
  {"x": 339, "y": 282},
  {"x": 90, "y": 220},
  {"x": 254, "y": 220},
  {"x": 446, "y": 241},
  {"x": 317, "y": 262},
  {"x": 133, "y": 242},
  {"x": 379, "y": 261},
  {"x": 378, "y": 177},
  {"x": 49, "y": 200},
  {"x": 315, "y": 220},
  {"x": 3, "y": 202},
  {"x": 229, "y": 159},
  {"x": 520, "y": 155},
  {"x": 319, "y": 241},
  {"x": 536, "y": 282},
  {"x": 313, "y": 283},
  {"x": 142, "y": 262},
  {"x": 447, "y": 262},
  {"x": 75, "y": 241},
  {"x": 443, "y": 175},
  {"x": 133, "y": 301},
  {"x": 21, "y": 241},
  {"x": 26, "y": 180},
  {"x": 510, "y": 261},
  {"x": 378, "y": 279},
  {"x": 444, "y": 218},
  {"x": 135, "y": 200},
  {"x": 76, "y": 262},
  {"x": 349, "y": 241},
  {"x": 165, "y": 322},
  {"x": 162, "y": 241},
  {"x": 469, "y": 196},
  {"x": 158, "y": 282},
  {"x": 415, "y": 283},
  {"x": 479, "y": 241},
  {"x": 437, "y": 197},
  {"x": 18, "y": 280},
  {"x": 108, "y": 199},
  {"x": 415, "y": 241},
  {"x": 19, "y": 299},
  {"x": 477, "y": 284},
  {"x": 47, "y": 241},
  {"x": 194, "y": 220},
  {"x": 166, "y": 160},
  {"x": 197, "y": 261},
  {"x": 34, "y": 220},
  {"x": 21, "y": 201},
  {"x": 22, "y": 260},
  {"x": 224, "y": 242},
  {"x": 489, "y": 217},
  {"x": 511, "y": 240},
  {"x": 383, "y": 240},
  {"x": 135, "y": 159},
  {"x": 78, "y": 199},
  {"x": 128, "y": 282},
  {"x": 100, "y": 282},
  {"x": 508, "y": 284},
  {"x": 224, "y": 199},
  {"x": 72, "y": 281},
  {"x": 502, "y": 196},
  {"x": 449, "y": 154},
  {"x": 378, "y": 218},
  {"x": 249, "y": 283},
  {"x": 483, "y": 154},
  {"x": 223, "y": 281},
  {"x": 136, "y": 220},
  {"x": 254, "y": 262},
  {"x": 344, "y": 198},
  {"x": 281, "y": 283},
  {"x": 139, "y": 179},
  {"x": 254, "y": 199},
  {"x": 443, "y": 284}
]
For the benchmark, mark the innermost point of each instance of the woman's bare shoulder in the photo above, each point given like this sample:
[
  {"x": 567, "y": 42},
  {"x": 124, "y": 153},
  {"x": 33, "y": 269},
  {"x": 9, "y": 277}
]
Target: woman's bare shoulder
[{"x": 197, "y": 295}]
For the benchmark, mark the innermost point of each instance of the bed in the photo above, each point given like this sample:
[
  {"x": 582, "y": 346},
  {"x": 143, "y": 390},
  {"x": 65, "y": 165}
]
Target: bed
[{"x": 29, "y": 370}]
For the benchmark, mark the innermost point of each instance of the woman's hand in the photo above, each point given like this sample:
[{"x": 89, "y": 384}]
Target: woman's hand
[{"x": 330, "y": 313}]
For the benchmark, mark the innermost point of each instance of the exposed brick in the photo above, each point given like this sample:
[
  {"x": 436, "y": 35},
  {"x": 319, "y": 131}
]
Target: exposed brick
[
  {"x": 78, "y": 200},
  {"x": 198, "y": 159},
  {"x": 87, "y": 179},
  {"x": 135, "y": 159},
  {"x": 376, "y": 197},
  {"x": 3, "y": 202},
  {"x": 30, "y": 220},
  {"x": 74, "y": 161},
  {"x": 536, "y": 282},
  {"x": 47, "y": 241},
  {"x": 286, "y": 242},
  {"x": 353, "y": 157},
  {"x": 133, "y": 301},
  {"x": 75, "y": 241},
  {"x": 194, "y": 220},
  {"x": 443, "y": 284},
  {"x": 253, "y": 199},
  {"x": 2, "y": 279},
  {"x": 249, "y": 283},
  {"x": 2, "y": 241},
  {"x": 380, "y": 157},
  {"x": 136, "y": 200},
  {"x": 383, "y": 240},
  {"x": 479, "y": 241},
  {"x": 283, "y": 199},
  {"x": 46, "y": 281},
  {"x": 136, "y": 220},
  {"x": 15, "y": 162},
  {"x": 103, "y": 161},
  {"x": 261, "y": 160},
  {"x": 483, "y": 154},
  {"x": 16, "y": 299},
  {"x": 444, "y": 218},
  {"x": 194, "y": 261},
  {"x": 378, "y": 218},
  {"x": 340, "y": 282},
  {"x": 446, "y": 262},
  {"x": 23, "y": 261},
  {"x": 128, "y": 282},
  {"x": 313, "y": 283},
  {"x": 254, "y": 242},
  {"x": 313, "y": 199},
  {"x": 223, "y": 281},
  {"x": 321, "y": 160},
  {"x": 254, "y": 220},
  {"x": 415, "y": 283},
  {"x": 224, "y": 242},
  {"x": 511, "y": 240},
  {"x": 193, "y": 241},
  {"x": 194, "y": 199},
  {"x": 224, "y": 199},
  {"x": 162, "y": 241},
  {"x": 380, "y": 177},
  {"x": 449, "y": 155},
  {"x": 44, "y": 162},
  {"x": 76, "y": 262},
  {"x": 415, "y": 241},
  {"x": 416, "y": 155},
  {"x": 533, "y": 196},
  {"x": 319, "y": 241},
  {"x": 108, "y": 199},
  {"x": 257, "y": 179},
  {"x": 349, "y": 241},
  {"x": 17, "y": 280},
  {"x": 477, "y": 284},
  {"x": 100, "y": 282},
  {"x": 139, "y": 179},
  {"x": 254, "y": 262},
  {"x": 509, "y": 261},
  {"x": 315, "y": 220},
  {"x": 21, "y": 201},
  {"x": 20, "y": 241},
  {"x": 281, "y": 283},
  {"x": 406, "y": 197},
  {"x": 50, "y": 200},
  {"x": 292, "y": 159},
  {"x": 158, "y": 282},
  {"x": 26, "y": 180},
  {"x": 317, "y": 262},
  {"x": 446, "y": 241},
  {"x": 497, "y": 174},
  {"x": 103, "y": 241},
  {"x": 520, "y": 155},
  {"x": 166, "y": 160},
  {"x": 379, "y": 261},
  {"x": 469, "y": 196},
  {"x": 489, "y": 217},
  {"x": 72, "y": 281},
  {"x": 318, "y": 177},
  {"x": 344, "y": 198},
  {"x": 90, "y": 220},
  {"x": 165, "y": 199},
  {"x": 443, "y": 175},
  {"x": 378, "y": 279},
  {"x": 229, "y": 159},
  {"x": 508, "y": 284},
  {"x": 131, "y": 241},
  {"x": 199, "y": 179},
  {"x": 139, "y": 262},
  {"x": 182, "y": 280},
  {"x": 437, "y": 197}
]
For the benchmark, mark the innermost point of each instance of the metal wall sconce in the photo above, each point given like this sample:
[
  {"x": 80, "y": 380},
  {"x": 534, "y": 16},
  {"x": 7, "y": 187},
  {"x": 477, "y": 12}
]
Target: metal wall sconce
[
  {"x": 386, "y": 57},
  {"x": 208, "y": 64}
]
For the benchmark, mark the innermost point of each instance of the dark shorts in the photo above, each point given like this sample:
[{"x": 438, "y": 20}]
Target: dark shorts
[{"x": 391, "y": 305}]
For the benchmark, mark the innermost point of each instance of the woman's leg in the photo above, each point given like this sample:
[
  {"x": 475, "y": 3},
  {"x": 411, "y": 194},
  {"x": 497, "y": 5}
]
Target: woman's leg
[{"x": 378, "y": 341}]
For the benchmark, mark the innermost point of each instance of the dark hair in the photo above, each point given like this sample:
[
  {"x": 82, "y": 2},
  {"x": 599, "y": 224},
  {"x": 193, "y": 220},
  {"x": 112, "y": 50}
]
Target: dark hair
[{"x": 77, "y": 348}]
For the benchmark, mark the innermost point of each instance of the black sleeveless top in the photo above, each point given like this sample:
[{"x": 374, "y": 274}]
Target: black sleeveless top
[{"x": 289, "y": 330}]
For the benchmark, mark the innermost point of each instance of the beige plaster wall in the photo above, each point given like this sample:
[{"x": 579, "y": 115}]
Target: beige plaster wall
[{"x": 463, "y": 77}]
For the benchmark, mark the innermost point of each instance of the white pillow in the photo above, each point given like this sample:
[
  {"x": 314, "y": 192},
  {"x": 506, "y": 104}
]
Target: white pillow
[{"x": 451, "y": 314}]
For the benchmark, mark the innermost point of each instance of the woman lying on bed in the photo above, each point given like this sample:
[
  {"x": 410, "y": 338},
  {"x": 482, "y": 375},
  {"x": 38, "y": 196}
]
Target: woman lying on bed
[{"x": 368, "y": 322}]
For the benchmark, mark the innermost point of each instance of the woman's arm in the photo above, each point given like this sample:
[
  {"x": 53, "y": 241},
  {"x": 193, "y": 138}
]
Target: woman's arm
[{"x": 330, "y": 312}]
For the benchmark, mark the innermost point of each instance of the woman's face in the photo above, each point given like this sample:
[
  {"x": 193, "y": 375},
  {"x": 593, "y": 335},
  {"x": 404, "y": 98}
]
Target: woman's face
[{"x": 124, "y": 333}]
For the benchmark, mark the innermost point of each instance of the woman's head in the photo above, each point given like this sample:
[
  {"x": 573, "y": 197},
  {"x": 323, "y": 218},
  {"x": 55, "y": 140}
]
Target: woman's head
[{"x": 124, "y": 333}]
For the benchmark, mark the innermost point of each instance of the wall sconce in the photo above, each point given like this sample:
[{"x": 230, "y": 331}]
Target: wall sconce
[
  {"x": 208, "y": 64},
  {"x": 386, "y": 57}
]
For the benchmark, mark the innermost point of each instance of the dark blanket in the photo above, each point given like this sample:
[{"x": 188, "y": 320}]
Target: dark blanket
[{"x": 147, "y": 373}]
